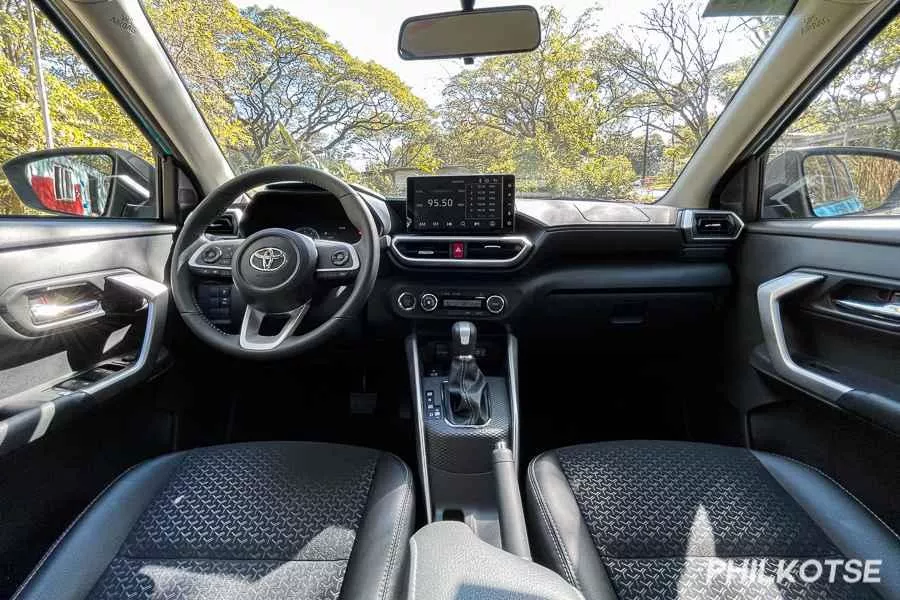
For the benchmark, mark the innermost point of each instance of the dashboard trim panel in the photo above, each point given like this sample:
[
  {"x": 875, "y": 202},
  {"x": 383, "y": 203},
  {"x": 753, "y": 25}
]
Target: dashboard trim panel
[{"x": 527, "y": 245}]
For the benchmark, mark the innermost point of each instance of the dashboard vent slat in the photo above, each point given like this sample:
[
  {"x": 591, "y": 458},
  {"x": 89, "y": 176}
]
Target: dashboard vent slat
[
  {"x": 223, "y": 226},
  {"x": 710, "y": 226},
  {"x": 718, "y": 225}
]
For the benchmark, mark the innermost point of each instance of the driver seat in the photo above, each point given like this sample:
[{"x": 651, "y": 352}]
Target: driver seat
[{"x": 273, "y": 520}]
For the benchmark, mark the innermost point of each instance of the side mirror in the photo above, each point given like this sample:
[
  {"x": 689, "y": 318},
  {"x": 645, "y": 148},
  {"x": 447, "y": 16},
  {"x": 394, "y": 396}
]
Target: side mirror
[
  {"x": 842, "y": 181},
  {"x": 482, "y": 32},
  {"x": 89, "y": 182}
]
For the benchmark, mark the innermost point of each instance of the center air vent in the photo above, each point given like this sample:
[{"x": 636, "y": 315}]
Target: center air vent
[
  {"x": 710, "y": 225},
  {"x": 423, "y": 248},
  {"x": 441, "y": 251}
]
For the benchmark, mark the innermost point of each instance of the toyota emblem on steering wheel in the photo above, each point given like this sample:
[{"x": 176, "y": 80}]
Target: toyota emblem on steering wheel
[{"x": 267, "y": 259}]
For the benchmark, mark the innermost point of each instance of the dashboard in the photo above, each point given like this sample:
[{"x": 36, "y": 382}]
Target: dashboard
[{"x": 556, "y": 265}]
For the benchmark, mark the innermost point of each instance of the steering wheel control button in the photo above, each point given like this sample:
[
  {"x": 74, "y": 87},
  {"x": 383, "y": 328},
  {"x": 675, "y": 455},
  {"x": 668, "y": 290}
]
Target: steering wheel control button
[
  {"x": 495, "y": 304},
  {"x": 211, "y": 255},
  {"x": 340, "y": 258},
  {"x": 428, "y": 302},
  {"x": 406, "y": 301}
]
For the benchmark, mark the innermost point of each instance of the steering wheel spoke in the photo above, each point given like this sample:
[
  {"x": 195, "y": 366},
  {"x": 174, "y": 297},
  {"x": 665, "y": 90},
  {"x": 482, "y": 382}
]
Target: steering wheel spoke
[
  {"x": 338, "y": 262},
  {"x": 213, "y": 258},
  {"x": 251, "y": 337}
]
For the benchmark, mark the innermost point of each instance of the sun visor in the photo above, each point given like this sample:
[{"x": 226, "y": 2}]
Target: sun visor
[{"x": 747, "y": 8}]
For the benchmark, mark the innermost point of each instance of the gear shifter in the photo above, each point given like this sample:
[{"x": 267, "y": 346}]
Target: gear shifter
[{"x": 466, "y": 386}]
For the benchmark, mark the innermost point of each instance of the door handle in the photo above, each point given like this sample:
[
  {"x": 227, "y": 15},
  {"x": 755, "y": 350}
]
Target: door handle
[
  {"x": 769, "y": 296},
  {"x": 887, "y": 310},
  {"x": 49, "y": 314}
]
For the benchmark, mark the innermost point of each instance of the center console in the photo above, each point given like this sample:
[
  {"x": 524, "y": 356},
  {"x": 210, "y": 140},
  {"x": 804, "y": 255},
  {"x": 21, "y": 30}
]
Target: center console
[
  {"x": 462, "y": 358},
  {"x": 465, "y": 389}
]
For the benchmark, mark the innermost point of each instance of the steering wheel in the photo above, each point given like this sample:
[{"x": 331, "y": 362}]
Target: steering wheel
[{"x": 277, "y": 271}]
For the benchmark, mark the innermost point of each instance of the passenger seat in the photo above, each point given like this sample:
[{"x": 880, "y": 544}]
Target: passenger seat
[{"x": 677, "y": 520}]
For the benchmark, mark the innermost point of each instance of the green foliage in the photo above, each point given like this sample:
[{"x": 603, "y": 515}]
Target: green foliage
[
  {"x": 82, "y": 111},
  {"x": 538, "y": 113},
  {"x": 569, "y": 118}
]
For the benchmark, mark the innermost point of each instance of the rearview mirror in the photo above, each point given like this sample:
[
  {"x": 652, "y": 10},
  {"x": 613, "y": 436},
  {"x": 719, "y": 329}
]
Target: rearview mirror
[
  {"x": 86, "y": 182},
  {"x": 487, "y": 31}
]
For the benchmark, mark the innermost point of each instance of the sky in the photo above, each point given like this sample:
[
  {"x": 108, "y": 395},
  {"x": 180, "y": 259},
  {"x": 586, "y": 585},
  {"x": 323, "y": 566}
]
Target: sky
[{"x": 369, "y": 29}]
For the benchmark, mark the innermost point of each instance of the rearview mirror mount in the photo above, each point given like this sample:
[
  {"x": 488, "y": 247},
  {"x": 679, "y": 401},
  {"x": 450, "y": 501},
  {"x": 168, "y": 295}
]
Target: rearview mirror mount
[{"x": 463, "y": 34}]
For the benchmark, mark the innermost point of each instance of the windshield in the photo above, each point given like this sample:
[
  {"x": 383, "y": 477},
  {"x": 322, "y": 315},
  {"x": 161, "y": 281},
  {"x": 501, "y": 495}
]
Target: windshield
[{"x": 611, "y": 106}]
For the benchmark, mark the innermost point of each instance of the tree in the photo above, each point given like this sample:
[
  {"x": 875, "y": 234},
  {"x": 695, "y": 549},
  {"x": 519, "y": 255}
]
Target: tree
[
  {"x": 211, "y": 43},
  {"x": 386, "y": 152},
  {"x": 303, "y": 81},
  {"x": 82, "y": 111},
  {"x": 540, "y": 114},
  {"x": 670, "y": 63},
  {"x": 867, "y": 88}
]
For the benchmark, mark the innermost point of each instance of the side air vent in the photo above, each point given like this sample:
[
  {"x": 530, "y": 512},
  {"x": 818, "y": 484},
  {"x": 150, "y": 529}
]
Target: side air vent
[
  {"x": 440, "y": 251},
  {"x": 710, "y": 225},
  {"x": 223, "y": 226}
]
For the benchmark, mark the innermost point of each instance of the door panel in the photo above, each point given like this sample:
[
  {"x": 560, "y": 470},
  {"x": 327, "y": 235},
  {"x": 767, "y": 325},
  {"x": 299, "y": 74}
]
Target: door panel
[
  {"x": 850, "y": 426},
  {"x": 76, "y": 408},
  {"x": 99, "y": 300}
]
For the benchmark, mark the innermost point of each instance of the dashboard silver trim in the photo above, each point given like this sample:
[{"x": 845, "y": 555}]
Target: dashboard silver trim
[
  {"x": 196, "y": 263},
  {"x": 527, "y": 245},
  {"x": 156, "y": 295},
  {"x": 512, "y": 366},
  {"x": 333, "y": 246},
  {"x": 250, "y": 338},
  {"x": 415, "y": 375},
  {"x": 769, "y": 295},
  {"x": 411, "y": 295}
]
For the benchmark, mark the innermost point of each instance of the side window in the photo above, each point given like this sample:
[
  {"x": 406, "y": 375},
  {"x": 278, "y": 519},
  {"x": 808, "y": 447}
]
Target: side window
[
  {"x": 66, "y": 146},
  {"x": 841, "y": 157}
]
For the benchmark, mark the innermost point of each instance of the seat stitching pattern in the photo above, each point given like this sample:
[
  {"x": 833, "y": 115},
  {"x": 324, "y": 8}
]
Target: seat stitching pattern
[
  {"x": 216, "y": 579},
  {"x": 547, "y": 518},
  {"x": 647, "y": 499},
  {"x": 842, "y": 488},
  {"x": 396, "y": 528},
  {"x": 658, "y": 512},
  {"x": 71, "y": 526},
  {"x": 257, "y": 501}
]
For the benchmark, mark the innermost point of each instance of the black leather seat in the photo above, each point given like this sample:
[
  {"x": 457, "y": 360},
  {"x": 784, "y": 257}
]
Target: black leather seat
[
  {"x": 659, "y": 520},
  {"x": 272, "y": 520}
]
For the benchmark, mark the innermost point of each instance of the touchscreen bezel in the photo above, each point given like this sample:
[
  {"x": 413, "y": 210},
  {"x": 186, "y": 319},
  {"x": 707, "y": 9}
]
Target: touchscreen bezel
[{"x": 506, "y": 224}]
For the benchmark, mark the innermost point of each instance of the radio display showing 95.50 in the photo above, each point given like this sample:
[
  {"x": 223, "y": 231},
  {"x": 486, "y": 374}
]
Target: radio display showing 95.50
[{"x": 461, "y": 204}]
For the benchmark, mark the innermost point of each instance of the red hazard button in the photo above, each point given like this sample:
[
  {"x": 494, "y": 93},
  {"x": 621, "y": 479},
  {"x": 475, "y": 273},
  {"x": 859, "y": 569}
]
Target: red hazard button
[{"x": 458, "y": 250}]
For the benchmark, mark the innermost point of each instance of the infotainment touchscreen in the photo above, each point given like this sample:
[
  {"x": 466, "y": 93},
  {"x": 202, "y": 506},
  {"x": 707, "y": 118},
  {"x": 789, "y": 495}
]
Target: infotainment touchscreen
[{"x": 461, "y": 204}]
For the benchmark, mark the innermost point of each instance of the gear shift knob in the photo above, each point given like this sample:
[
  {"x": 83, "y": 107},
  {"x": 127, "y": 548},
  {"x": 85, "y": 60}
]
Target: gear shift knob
[{"x": 463, "y": 336}]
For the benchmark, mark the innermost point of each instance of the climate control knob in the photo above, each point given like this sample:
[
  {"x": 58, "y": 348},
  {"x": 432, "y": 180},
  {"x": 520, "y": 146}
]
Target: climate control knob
[
  {"x": 406, "y": 301},
  {"x": 495, "y": 304},
  {"x": 428, "y": 302}
]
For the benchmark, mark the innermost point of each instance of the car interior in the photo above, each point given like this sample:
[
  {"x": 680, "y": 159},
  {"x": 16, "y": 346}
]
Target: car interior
[{"x": 278, "y": 382}]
